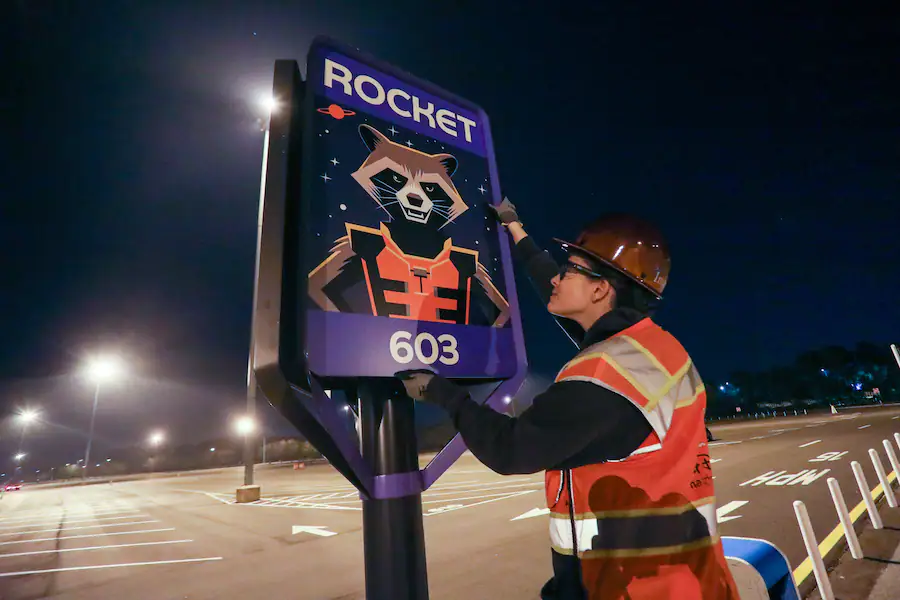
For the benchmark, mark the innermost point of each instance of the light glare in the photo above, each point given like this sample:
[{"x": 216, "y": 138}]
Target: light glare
[
  {"x": 244, "y": 425},
  {"x": 105, "y": 368}
]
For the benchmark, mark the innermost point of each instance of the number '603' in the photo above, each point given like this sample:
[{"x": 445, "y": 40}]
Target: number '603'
[{"x": 425, "y": 348}]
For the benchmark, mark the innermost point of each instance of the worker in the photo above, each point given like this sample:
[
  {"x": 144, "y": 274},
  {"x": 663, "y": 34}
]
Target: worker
[{"x": 620, "y": 432}]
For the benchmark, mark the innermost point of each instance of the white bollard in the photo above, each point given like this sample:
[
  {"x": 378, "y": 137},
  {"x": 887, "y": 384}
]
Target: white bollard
[
  {"x": 841, "y": 507},
  {"x": 812, "y": 550},
  {"x": 879, "y": 470},
  {"x": 892, "y": 457},
  {"x": 866, "y": 494}
]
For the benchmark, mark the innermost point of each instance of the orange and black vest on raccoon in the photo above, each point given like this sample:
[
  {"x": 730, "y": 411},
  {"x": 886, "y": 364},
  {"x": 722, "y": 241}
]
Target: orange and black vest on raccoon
[
  {"x": 644, "y": 527},
  {"x": 405, "y": 286}
]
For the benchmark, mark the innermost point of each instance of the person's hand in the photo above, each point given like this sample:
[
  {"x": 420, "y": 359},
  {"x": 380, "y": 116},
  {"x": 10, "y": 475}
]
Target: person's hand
[
  {"x": 415, "y": 381},
  {"x": 505, "y": 212}
]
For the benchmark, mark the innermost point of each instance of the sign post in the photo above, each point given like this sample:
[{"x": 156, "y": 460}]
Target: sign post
[{"x": 378, "y": 254}]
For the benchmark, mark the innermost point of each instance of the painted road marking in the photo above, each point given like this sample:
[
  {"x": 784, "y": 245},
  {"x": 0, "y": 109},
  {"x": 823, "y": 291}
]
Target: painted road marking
[
  {"x": 116, "y": 566},
  {"x": 460, "y": 506},
  {"x": 810, "y": 443},
  {"x": 76, "y": 528},
  {"x": 837, "y": 534},
  {"x": 44, "y": 515},
  {"x": 534, "y": 512},
  {"x": 313, "y": 529},
  {"x": 714, "y": 460},
  {"x": 723, "y": 443},
  {"x": 441, "y": 509},
  {"x": 897, "y": 417},
  {"x": 864, "y": 426},
  {"x": 93, "y": 548},
  {"x": 828, "y": 456},
  {"x": 729, "y": 508},
  {"x": 85, "y": 535},
  {"x": 51, "y": 522},
  {"x": 805, "y": 477}
]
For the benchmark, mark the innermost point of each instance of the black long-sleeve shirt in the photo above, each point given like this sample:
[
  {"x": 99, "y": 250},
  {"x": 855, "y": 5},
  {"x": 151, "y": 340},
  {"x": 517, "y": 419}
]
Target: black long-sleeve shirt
[{"x": 571, "y": 424}]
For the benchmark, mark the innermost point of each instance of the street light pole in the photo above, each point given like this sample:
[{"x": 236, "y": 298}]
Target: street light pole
[
  {"x": 249, "y": 445},
  {"x": 87, "y": 450}
]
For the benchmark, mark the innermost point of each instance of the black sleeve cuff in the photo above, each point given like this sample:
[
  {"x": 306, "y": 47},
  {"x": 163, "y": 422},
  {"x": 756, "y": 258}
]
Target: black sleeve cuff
[{"x": 445, "y": 393}]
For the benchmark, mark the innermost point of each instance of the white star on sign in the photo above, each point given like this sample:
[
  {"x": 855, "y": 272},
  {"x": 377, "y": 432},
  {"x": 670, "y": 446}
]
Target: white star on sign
[
  {"x": 334, "y": 161},
  {"x": 392, "y": 130},
  {"x": 481, "y": 189},
  {"x": 325, "y": 177},
  {"x": 408, "y": 143}
]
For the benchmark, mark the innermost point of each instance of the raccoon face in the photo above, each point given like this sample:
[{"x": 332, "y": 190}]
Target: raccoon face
[{"x": 409, "y": 184}]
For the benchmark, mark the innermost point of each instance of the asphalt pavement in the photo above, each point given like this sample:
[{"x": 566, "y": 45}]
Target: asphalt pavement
[{"x": 486, "y": 535}]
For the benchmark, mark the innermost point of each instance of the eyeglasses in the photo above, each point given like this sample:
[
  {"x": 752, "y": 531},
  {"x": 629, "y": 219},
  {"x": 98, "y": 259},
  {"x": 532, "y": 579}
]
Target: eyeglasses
[{"x": 570, "y": 267}]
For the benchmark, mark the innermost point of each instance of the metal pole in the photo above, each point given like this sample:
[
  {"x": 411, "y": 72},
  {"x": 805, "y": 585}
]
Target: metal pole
[
  {"x": 867, "y": 496},
  {"x": 841, "y": 507},
  {"x": 22, "y": 437},
  {"x": 249, "y": 445},
  {"x": 393, "y": 533},
  {"x": 812, "y": 550},
  {"x": 896, "y": 353},
  {"x": 264, "y": 449},
  {"x": 87, "y": 451},
  {"x": 885, "y": 484}
]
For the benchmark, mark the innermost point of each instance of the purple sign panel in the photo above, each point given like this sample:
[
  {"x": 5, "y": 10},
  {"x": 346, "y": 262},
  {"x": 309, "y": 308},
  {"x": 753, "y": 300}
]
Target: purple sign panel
[{"x": 406, "y": 268}]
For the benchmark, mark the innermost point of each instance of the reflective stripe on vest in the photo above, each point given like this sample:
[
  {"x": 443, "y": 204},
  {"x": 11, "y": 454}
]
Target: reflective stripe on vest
[
  {"x": 645, "y": 381},
  {"x": 621, "y": 534}
]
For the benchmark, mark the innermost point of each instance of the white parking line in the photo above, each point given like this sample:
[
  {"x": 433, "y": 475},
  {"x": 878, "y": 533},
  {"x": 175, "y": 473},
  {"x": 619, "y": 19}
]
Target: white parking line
[
  {"x": 116, "y": 566},
  {"x": 94, "y": 548},
  {"x": 77, "y": 528},
  {"x": 809, "y": 443},
  {"x": 86, "y": 535},
  {"x": 44, "y": 514},
  {"x": 502, "y": 495},
  {"x": 864, "y": 426},
  {"x": 70, "y": 522},
  {"x": 458, "y": 507}
]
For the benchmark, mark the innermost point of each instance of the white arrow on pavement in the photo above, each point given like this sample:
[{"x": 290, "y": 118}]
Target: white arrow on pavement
[
  {"x": 534, "y": 512},
  {"x": 313, "y": 529},
  {"x": 728, "y": 508}
]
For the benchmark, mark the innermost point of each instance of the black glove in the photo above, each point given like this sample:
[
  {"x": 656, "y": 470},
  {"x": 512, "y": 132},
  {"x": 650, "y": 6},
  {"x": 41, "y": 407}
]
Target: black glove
[
  {"x": 505, "y": 212},
  {"x": 415, "y": 381}
]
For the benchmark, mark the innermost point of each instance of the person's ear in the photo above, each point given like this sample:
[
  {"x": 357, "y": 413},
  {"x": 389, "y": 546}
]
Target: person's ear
[{"x": 601, "y": 291}]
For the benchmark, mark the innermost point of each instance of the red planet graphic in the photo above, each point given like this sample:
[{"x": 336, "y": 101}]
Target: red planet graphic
[{"x": 337, "y": 112}]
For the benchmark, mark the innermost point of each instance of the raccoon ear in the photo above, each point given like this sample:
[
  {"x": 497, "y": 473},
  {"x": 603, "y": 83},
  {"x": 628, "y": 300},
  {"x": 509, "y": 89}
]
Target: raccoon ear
[
  {"x": 449, "y": 161},
  {"x": 371, "y": 137}
]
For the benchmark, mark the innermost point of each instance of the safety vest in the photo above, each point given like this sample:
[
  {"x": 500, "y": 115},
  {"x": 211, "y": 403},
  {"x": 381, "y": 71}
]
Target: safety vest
[{"x": 644, "y": 527}]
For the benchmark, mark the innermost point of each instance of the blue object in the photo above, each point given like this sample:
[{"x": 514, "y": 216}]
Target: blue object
[{"x": 760, "y": 569}]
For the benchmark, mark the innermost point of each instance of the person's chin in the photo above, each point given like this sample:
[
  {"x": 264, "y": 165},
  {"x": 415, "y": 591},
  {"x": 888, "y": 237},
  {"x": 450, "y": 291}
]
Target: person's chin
[{"x": 553, "y": 309}]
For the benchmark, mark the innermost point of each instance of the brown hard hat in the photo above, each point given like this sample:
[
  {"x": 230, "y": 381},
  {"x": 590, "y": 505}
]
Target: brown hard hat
[{"x": 629, "y": 245}]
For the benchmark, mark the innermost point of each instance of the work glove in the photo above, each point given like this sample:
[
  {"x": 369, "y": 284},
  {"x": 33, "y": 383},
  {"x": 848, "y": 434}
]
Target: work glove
[
  {"x": 505, "y": 212},
  {"x": 415, "y": 381}
]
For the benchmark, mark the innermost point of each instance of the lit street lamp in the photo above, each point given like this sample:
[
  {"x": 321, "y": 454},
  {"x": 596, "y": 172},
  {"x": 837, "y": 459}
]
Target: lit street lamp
[
  {"x": 100, "y": 370},
  {"x": 20, "y": 456},
  {"x": 156, "y": 438}
]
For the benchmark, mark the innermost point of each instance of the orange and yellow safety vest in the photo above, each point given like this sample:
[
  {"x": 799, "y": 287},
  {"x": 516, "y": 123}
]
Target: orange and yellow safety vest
[{"x": 644, "y": 527}]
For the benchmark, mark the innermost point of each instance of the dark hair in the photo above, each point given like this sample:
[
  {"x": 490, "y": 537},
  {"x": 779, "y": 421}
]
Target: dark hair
[{"x": 628, "y": 293}]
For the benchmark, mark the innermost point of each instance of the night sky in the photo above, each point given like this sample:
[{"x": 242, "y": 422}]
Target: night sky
[{"x": 764, "y": 144}]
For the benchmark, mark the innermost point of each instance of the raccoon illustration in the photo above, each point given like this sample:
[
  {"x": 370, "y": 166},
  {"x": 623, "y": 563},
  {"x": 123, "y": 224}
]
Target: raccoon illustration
[{"x": 408, "y": 268}]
